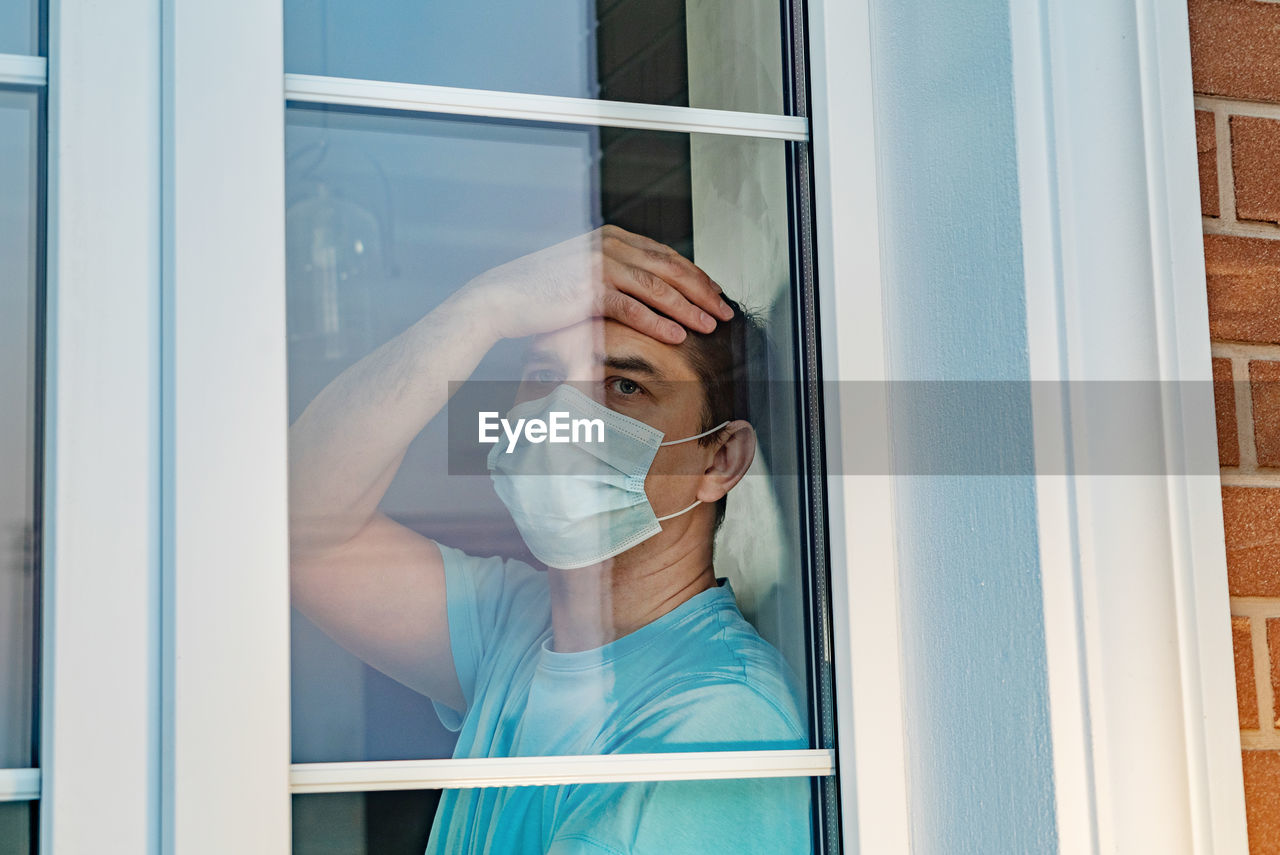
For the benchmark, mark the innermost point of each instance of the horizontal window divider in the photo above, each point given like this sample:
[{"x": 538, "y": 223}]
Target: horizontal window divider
[
  {"x": 19, "y": 785},
  {"x": 18, "y": 70},
  {"x": 471, "y": 772},
  {"x": 345, "y": 91}
]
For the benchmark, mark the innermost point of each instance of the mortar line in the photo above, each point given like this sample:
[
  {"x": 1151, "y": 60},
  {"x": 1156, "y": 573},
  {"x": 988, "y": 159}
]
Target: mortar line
[
  {"x": 1226, "y": 175},
  {"x": 1248, "y": 229},
  {"x": 1238, "y": 107},
  {"x": 1245, "y": 349},
  {"x": 1265, "y": 479},
  {"x": 1252, "y": 740},
  {"x": 1255, "y": 607},
  {"x": 1243, "y": 388},
  {"x": 1262, "y": 676}
]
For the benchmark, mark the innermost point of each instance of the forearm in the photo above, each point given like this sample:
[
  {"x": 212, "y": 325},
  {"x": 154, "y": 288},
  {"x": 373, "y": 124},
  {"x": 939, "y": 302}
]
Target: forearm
[{"x": 346, "y": 446}]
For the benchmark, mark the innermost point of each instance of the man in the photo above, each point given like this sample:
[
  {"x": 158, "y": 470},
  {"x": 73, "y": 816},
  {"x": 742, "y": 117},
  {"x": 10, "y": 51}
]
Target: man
[{"x": 627, "y": 643}]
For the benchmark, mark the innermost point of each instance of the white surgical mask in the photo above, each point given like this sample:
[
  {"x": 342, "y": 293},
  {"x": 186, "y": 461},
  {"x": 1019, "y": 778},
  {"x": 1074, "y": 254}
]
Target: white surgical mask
[{"x": 577, "y": 504}]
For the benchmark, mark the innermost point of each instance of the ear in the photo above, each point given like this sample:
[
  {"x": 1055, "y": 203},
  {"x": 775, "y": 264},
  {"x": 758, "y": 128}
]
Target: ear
[{"x": 730, "y": 462}]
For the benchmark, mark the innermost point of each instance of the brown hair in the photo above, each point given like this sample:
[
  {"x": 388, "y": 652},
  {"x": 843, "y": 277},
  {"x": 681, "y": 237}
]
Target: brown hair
[{"x": 728, "y": 360}]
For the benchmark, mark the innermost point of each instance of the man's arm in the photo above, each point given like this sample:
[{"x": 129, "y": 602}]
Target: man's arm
[{"x": 372, "y": 584}]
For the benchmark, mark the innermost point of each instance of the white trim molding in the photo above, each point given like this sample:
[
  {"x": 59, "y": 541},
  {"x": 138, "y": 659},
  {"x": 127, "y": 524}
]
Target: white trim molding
[
  {"x": 862, "y": 526},
  {"x": 19, "y": 785},
  {"x": 551, "y": 771},
  {"x": 225, "y": 668},
  {"x": 99, "y": 710},
  {"x": 1137, "y": 620},
  {"x": 18, "y": 70},
  {"x": 418, "y": 98}
]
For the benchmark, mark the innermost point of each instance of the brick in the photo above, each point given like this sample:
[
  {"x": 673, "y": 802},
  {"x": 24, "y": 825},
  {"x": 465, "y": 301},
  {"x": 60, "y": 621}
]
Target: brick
[
  {"x": 1246, "y": 688},
  {"x": 1251, "y": 519},
  {"x": 1207, "y": 153},
  {"x": 1264, "y": 392},
  {"x": 1235, "y": 48},
  {"x": 1243, "y": 277},
  {"x": 1255, "y": 163},
  {"x": 1262, "y": 800},
  {"x": 1224, "y": 405}
]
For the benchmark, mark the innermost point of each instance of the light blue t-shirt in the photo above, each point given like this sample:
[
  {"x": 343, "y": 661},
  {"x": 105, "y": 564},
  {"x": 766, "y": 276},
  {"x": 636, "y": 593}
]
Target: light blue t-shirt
[{"x": 698, "y": 678}]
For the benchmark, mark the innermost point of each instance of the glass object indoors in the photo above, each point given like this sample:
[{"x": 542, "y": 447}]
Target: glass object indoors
[
  {"x": 19, "y": 421},
  {"x": 389, "y": 217},
  {"x": 400, "y": 822},
  {"x": 722, "y": 54}
]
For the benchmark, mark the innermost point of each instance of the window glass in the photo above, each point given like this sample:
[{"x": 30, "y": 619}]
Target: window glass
[
  {"x": 19, "y": 27},
  {"x": 400, "y": 822},
  {"x": 432, "y": 570},
  {"x": 723, "y": 54},
  {"x": 17, "y": 827},
  {"x": 19, "y": 130}
]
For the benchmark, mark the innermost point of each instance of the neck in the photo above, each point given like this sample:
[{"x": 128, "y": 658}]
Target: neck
[{"x": 592, "y": 606}]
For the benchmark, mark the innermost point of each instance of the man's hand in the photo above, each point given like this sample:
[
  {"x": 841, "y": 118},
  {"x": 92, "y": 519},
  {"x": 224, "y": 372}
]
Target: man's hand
[{"x": 609, "y": 273}]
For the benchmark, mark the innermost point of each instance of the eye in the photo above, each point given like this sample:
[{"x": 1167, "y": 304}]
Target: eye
[
  {"x": 625, "y": 386},
  {"x": 543, "y": 375}
]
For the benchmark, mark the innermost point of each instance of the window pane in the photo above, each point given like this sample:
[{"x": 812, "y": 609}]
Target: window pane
[
  {"x": 19, "y": 27},
  {"x": 725, "y": 54},
  {"x": 767, "y": 816},
  {"x": 19, "y": 235},
  {"x": 17, "y": 827},
  {"x": 389, "y": 216}
]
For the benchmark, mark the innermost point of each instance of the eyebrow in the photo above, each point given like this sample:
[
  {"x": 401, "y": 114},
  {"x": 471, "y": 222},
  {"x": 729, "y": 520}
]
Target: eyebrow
[
  {"x": 637, "y": 364},
  {"x": 617, "y": 362},
  {"x": 546, "y": 357}
]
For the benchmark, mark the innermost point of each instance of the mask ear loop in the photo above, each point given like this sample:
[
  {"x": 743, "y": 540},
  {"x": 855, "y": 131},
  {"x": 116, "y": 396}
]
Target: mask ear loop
[
  {"x": 678, "y": 513},
  {"x": 695, "y": 436},
  {"x": 677, "y": 442}
]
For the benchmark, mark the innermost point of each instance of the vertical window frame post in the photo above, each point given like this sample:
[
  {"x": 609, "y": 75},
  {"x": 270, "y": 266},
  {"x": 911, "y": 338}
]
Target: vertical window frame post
[{"x": 99, "y": 754}]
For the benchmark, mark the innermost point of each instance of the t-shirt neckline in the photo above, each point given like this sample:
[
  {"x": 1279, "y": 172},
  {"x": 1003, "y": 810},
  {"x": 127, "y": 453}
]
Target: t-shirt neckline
[{"x": 595, "y": 657}]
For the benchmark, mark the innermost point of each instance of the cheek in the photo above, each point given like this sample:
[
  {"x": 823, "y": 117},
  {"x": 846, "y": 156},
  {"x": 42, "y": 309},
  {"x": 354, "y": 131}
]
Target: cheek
[{"x": 674, "y": 473}]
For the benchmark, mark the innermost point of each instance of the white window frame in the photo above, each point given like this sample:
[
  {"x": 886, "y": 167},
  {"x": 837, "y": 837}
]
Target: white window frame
[
  {"x": 166, "y": 328},
  {"x": 1142, "y": 731},
  {"x": 101, "y": 572},
  {"x": 26, "y": 72},
  {"x": 522, "y": 771},
  {"x": 1109, "y": 229}
]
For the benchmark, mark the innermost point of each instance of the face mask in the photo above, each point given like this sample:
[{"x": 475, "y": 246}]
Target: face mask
[{"x": 579, "y": 503}]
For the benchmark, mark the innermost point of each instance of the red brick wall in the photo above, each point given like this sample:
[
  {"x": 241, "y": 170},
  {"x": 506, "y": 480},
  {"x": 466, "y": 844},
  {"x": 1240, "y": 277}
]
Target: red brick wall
[{"x": 1235, "y": 59}]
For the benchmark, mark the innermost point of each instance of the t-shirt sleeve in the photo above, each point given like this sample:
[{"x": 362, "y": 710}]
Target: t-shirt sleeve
[{"x": 488, "y": 600}]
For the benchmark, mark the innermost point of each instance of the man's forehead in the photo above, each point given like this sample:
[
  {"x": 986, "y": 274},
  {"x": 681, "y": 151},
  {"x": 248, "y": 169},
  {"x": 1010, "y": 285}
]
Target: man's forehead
[{"x": 609, "y": 344}]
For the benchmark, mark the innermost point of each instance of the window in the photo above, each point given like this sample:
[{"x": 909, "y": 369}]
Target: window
[
  {"x": 191, "y": 314},
  {"x": 21, "y": 423},
  {"x": 423, "y": 149}
]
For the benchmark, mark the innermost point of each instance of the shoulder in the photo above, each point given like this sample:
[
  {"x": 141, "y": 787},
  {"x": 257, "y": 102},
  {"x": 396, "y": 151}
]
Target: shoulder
[
  {"x": 497, "y": 582},
  {"x": 493, "y": 603}
]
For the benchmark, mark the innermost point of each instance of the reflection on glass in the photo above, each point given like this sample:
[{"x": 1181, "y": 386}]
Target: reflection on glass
[
  {"x": 558, "y": 598},
  {"x": 17, "y": 827},
  {"x": 20, "y": 27},
  {"x": 383, "y": 823},
  {"x": 18, "y": 427},
  {"x": 724, "y": 54},
  {"x": 668, "y": 817}
]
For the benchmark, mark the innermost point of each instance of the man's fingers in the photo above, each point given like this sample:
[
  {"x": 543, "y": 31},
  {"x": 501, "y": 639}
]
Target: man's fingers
[
  {"x": 657, "y": 293},
  {"x": 670, "y": 266},
  {"x": 638, "y": 316}
]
